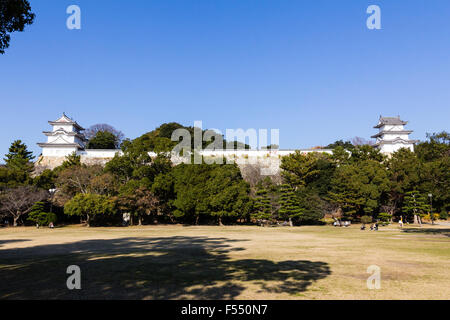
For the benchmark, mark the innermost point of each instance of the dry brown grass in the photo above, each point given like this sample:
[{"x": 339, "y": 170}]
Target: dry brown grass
[{"x": 236, "y": 262}]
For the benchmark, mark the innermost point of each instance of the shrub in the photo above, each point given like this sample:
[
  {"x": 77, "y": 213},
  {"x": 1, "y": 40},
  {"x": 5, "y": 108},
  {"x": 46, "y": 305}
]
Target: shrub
[
  {"x": 427, "y": 217},
  {"x": 384, "y": 217},
  {"x": 443, "y": 215},
  {"x": 327, "y": 221},
  {"x": 43, "y": 218},
  {"x": 39, "y": 216},
  {"x": 366, "y": 219}
]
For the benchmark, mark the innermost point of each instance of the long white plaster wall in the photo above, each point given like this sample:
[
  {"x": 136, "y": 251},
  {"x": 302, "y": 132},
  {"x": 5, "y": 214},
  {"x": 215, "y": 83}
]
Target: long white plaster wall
[
  {"x": 94, "y": 153},
  {"x": 58, "y": 152},
  {"x": 259, "y": 153}
]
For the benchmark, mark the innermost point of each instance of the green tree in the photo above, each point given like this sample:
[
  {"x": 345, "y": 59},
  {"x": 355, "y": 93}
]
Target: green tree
[
  {"x": 14, "y": 16},
  {"x": 191, "y": 199},
  {"x": 435, "y": 179},
  {"x": 71, "y": 160},
  {"x": 366, "y": 152},
  {"x": 313, "y": 206},
  {"x": 103, "y": 140},
  {"x": 93, "y": 130},
  {"x": 89, "y": 206},
  {"x": 209, "y": 191},
  {"x": 340, "y": 156},
  {"x": 46, "y": 180},
  {"x": 359, "y": 188},
  {"x": 19, "y": 162},
  {"x": 437, "y": 146},
  {"x": 10, "y": 177},
  {"x": 347, "y": 145},
  {"x": 415, "y": 204},
  {"x": 434, "y": 173},
  {"x": 262, "y": 205},
  {"x": 18, "y": 154},
  {"x": 289, "y": 204},
  {"x": 366, "y": 219},
  {"x": 228, "y": 194},
  {"x": 403, "y": 170},
  {"x": 136, "y": 164},
  {"x": 312, "y": 171},
  {"x": 40, "y": 216}
]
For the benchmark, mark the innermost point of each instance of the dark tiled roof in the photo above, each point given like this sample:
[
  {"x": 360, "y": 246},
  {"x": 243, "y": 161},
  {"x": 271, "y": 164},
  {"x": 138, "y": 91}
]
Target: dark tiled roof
[{"x": 390, "y": 121}]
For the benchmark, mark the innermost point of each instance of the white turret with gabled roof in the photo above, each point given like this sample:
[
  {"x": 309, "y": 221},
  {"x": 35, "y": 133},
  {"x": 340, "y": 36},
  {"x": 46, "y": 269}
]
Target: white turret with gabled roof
[
  {"x": 392, "y": 135},
  {"x": 65, "y": 138}
]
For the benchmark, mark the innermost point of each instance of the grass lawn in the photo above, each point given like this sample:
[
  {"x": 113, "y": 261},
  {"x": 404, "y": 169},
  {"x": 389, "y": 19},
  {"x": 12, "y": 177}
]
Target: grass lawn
[{"x": 237, "y": 262}]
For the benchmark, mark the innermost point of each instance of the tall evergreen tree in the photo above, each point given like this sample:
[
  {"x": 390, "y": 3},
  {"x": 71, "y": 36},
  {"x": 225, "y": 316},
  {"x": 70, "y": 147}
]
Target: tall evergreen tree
[
  {"x": 263, "y": 206},
  {"x": 18, "y": 162},
  {"x": 415, "y": 204},
  {"x": 18, "y": 154},
  {"x": 289, "y": 204}
]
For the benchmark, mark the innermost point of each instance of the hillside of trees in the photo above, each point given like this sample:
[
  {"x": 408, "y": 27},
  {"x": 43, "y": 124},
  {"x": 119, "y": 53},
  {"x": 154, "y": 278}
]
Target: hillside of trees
[{"x": 356, "y": 182}]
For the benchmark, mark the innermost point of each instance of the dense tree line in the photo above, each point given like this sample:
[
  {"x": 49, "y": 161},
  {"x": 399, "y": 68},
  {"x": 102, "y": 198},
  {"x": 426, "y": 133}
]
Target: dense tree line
[
  {"x": 150, "y": 190},
  {"x": 359, "y": 181},
  {"x": 355, "y": 182}
]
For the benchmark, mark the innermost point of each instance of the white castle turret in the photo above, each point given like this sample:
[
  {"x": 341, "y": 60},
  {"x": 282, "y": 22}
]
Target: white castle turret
[
  {"x": 65, "y": 138},
  {"x": 392, "y": 135}
]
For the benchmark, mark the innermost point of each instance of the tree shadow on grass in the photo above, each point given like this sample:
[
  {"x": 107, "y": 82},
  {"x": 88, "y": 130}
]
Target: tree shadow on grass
[
  {"x": 148, "y": 268},
  {"x": 444, "y": 232},
  {"x": 2, "y": 242}
]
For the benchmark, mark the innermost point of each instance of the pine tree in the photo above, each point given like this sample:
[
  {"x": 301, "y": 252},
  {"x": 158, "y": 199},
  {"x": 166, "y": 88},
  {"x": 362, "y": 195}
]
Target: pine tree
[
  {"x": 289, "y": 204},
  {"x": 415, "y": 204},
  {"x": 263, "y": 205},
  {"x": 18, "y": 155},
  {"x": 72, "y": 160},
  {"x": 18, "y": 162}
]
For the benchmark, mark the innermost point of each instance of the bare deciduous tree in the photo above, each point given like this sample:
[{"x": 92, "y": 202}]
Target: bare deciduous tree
[
  {"x": 358, "y": 141},
  {"x": 252, "y": 173},
  {"x": 74, "y": 180},
  {"x": 18, "y": 201}
]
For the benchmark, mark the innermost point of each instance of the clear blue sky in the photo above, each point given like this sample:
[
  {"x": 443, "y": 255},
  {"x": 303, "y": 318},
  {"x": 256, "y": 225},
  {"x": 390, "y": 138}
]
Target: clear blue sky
[{"x": 309, "y": 68}]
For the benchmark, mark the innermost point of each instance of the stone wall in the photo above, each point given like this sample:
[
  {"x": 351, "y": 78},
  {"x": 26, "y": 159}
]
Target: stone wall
[
  {"x": 51, "y": 163},
  {"x": 254, "y": 164}
]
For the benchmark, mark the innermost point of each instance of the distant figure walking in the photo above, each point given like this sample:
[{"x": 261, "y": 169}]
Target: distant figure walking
[
  {"x": 51, "y": 226},
  {"x": 400, "y": 223}
]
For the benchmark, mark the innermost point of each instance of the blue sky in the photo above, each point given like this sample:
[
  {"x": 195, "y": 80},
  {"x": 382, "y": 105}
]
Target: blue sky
[{"x": 309, "y": 68}]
